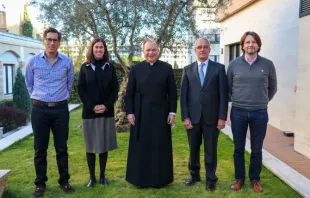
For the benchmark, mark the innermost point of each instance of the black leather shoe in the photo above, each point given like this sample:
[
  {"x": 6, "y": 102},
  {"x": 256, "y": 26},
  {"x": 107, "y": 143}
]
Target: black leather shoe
[
  {"x": 191, "y": 181},
  {"x": 103, "y": 181},
  {"x": 211, "y": 187},
  {"x": 67, "y": 188},
  {"x": 39, "y": 191},
  {"x": 91, "y": 183}
]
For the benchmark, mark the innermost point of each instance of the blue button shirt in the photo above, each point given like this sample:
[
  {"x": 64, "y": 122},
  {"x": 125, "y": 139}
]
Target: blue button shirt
[{"x": 49, "y": 83}]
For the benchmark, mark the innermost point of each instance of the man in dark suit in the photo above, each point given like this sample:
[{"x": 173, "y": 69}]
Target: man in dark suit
[{"x": 204, "y": 103}]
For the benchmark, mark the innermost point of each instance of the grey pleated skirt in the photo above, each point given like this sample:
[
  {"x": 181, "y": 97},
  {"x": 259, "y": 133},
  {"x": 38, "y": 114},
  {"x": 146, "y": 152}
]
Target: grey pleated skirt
[{"x": 99, "y": 134}]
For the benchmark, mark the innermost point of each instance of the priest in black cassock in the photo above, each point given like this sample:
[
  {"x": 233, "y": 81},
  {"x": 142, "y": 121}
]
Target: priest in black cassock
[{"x": 151, "y": 104}]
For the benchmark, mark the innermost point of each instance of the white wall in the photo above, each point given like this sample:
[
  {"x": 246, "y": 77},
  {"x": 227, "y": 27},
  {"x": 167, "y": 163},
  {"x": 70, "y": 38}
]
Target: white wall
[
  {"x": 276, "y": 21},
  {"x": 302, "y": 132}
]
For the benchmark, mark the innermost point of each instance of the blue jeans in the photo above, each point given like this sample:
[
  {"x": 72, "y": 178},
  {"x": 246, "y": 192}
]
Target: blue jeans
[{"x": 257, "y": 121}]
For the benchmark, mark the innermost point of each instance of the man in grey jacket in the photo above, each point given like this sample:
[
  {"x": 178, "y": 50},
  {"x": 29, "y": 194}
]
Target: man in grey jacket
[{"x": 252, "y": 84}]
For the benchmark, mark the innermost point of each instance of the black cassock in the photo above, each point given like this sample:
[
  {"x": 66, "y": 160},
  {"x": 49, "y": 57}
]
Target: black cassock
[{"x": 151, "y": 94}]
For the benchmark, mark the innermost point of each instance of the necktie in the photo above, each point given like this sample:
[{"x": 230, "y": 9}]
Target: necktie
[{"x": 201, "y": 74}]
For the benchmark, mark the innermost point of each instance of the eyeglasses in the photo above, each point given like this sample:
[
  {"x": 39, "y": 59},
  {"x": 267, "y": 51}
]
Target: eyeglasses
[
  {"x": 50, "y": 40},
  {"x": 202, "y": 47}
]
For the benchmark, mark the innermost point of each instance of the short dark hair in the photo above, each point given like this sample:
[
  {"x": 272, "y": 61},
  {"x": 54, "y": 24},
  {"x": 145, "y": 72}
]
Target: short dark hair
[
  {"x": 52, "y": 30},
  {"x": 90, "y": 54},
  {"x": 256, "y": 38}
]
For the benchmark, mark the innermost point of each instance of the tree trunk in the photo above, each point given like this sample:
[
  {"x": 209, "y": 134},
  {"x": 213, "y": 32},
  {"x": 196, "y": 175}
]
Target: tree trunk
[{"x": 122, "y": 124}]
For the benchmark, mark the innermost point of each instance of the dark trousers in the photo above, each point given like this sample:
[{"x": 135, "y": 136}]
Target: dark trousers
[
  {"x": 210, "y": 135},
  {"x": 257, "y": 121},
  {"x": 43, "y": 120}
]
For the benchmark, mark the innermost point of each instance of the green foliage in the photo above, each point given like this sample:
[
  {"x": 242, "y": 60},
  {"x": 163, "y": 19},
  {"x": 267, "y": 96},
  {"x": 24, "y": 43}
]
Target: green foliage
[
  {"x": 26, "y": 15},
  {"x": 135, "y": 60},
  {"x": 27, "y": 27},
  {"x": 178, "y": 79},
  {"x": 21, "y": 97},
  {"x": 175, "y": 65},
  {"x": 74, "y": 95}
]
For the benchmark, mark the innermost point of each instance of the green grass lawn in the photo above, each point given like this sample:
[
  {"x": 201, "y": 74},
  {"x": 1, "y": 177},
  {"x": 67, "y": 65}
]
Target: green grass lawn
[{"x": 19, "y": 158}]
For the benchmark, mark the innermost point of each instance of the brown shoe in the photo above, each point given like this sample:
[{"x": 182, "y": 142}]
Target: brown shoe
[
  {"x": 256, "y": 186},
  {"x": 237, "y": 185}
]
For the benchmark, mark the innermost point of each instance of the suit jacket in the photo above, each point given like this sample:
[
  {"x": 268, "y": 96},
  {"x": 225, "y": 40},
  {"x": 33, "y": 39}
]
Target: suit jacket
[
  {"x": 209, "y": 100},
  {"x": 93, "y": 93}
]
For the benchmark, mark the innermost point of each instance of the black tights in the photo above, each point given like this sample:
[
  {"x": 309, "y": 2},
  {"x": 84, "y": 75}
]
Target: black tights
[{"x": 91, "y": 161}]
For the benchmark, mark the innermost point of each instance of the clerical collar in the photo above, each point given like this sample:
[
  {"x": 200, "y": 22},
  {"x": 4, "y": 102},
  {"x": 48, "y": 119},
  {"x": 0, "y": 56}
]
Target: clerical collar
[{"x": 151, "y": 64}]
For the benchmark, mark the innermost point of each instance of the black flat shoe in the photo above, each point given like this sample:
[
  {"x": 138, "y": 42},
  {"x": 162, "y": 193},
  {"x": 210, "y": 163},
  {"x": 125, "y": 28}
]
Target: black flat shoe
[
  {"x": 211, "y": 187},
  {"x": 91, "y": 183},
  {"x": 67, "y": 188},
  {"x": 39, "y": 191},
  {"x": 103, "y": 181},
  {"x": 192, "y": 181}
]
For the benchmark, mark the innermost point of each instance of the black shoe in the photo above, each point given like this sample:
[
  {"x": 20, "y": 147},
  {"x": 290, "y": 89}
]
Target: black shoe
[
  {"x": 39, "y": 191},
  {"x": 192, "y": 181},
  {"x": 91, "y": 183},
  {"x": 67, "y": 188},
  {"x": 211, "y": 187},
  {"x": 103, "y": 181}
]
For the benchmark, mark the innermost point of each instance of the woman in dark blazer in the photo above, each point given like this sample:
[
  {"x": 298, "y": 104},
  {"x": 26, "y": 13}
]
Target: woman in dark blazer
[{"x": 98, "y": 89}]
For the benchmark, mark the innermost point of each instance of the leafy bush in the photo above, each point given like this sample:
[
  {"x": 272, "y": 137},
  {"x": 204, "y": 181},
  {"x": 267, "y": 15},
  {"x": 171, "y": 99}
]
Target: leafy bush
[
  {"x": 21, "y": 98},
  {"x": 74, "y": 96},
  {"x": 7, "y": 103},
  {"x": 178, "y": 79},
  {"x": 11, "y": 118}
]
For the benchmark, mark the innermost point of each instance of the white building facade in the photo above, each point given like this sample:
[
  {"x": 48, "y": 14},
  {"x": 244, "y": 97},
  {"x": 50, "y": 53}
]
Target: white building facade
[{"x": 15, "y": 51}]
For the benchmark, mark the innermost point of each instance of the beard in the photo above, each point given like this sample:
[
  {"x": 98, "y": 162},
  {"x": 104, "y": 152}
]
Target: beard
[{"x": 251, "y": 52}]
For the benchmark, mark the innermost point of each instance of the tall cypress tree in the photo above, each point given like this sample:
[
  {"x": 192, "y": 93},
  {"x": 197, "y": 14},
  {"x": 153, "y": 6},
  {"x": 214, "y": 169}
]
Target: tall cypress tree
[
  {"x": 27, "y": 27},
  {"x": 21, "y": 99}
]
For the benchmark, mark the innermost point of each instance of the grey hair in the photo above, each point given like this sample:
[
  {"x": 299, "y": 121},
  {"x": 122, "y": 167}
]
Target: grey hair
[
  {"x": 149, "y": 40},
  {"x": 201, "y": 39}
]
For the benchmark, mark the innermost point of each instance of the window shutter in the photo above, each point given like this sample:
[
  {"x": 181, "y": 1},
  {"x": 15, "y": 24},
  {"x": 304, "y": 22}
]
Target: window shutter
[{"x": 304, "y": 7}]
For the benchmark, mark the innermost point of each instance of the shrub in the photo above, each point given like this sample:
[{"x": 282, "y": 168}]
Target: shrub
[
  {"x": 74, "y": 95},
  {"x": 21, "y": 97},
  {"x": 11, "y": 118},
  {"x": 7, "y": 103},
  {"x": 178, "y": 79}
]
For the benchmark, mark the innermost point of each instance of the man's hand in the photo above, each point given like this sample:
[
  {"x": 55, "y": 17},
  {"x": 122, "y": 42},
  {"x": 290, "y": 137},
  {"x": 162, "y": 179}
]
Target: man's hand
[
  {"x": 220, "y": 124},
  {"x": 187, "y": 123},
  {"x": 131, "y": 119},
  {"x": 170, "y": 119}
]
